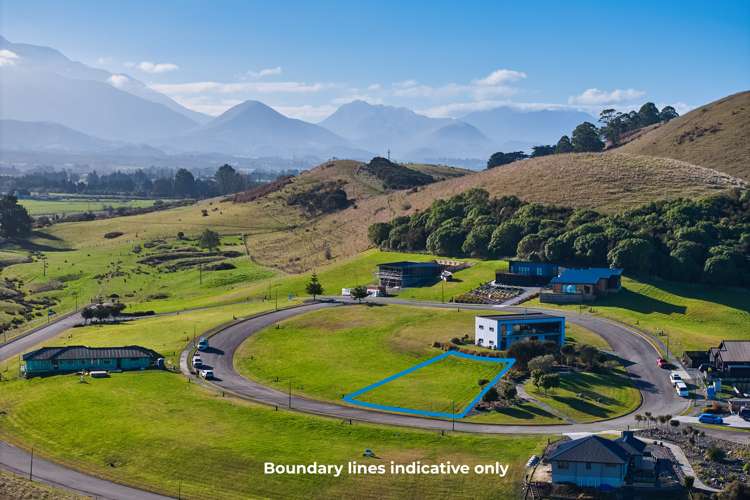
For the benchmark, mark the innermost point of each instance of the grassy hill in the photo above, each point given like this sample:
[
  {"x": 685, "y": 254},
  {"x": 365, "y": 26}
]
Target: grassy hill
[
  {"x": 714, "y": 136},
  {"x": 607, "y": 182}
]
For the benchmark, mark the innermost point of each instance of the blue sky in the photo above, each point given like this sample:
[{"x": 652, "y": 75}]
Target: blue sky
[{"x": 440, "y": 58}]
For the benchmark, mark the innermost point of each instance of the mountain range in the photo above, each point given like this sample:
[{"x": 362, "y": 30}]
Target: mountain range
[{"x": 50, "y": 103}]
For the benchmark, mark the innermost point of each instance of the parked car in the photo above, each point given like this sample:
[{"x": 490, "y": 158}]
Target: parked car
[
  {"x": 681, "y": 389},
  {"x": 197, "y": 361},
  {"x": 207, "y": 374},
  {"x": 708, "y": 418},
  {"x": 661, "y": 363},
  {"x": 745, "y": 413},
  {"x": 203, "y": 344},
  {"x": 675, "y": 377}
]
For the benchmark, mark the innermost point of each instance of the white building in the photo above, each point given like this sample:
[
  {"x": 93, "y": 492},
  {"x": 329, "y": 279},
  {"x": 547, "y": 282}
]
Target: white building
[{"x": 500, "y": 331}]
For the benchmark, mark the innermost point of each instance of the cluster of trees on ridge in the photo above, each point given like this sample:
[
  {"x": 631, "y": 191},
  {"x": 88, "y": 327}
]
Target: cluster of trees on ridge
[
  {"x": 588, "y": 138},
  {"x": 684, "y": 240},
  {"x": 152, "y": 182}
]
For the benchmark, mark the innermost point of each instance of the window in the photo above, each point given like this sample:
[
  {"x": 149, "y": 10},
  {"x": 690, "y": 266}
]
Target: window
[
  {"x": 588, "y": 465},
  {"x": 611, "y": 466},
  {"x": 563, "y": 465},
  {"x": 492, "y": 329},
  {"x": 481, "y": 327}
]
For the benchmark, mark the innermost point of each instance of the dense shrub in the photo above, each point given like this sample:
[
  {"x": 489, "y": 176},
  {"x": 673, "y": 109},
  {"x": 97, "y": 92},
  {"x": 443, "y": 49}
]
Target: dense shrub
[{"x": 689, "y": 240}]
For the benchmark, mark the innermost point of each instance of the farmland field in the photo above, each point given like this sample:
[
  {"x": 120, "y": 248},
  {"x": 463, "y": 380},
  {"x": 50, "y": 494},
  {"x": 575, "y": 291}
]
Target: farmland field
[{"x": 73, "y": 205}]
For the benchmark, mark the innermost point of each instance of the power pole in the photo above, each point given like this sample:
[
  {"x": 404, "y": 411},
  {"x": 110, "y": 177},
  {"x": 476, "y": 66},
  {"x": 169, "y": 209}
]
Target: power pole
[
  {"x": 453, "y": 415},
  {"x": 443, "y": 291},
  {"x": 44, "y": 266},
  {"x": 276, "y": 307},
  {"x": 200, "y": 274},
  {"x": 31, "y": 466},
  {"x": 290, "y": 394}
]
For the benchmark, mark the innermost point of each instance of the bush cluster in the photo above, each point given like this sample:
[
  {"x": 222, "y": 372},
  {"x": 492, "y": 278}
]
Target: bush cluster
[{"x": 685, "y": 239}]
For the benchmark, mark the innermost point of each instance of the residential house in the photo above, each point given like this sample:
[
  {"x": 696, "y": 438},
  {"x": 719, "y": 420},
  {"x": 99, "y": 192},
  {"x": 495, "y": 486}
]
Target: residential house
[
  {"x": 582, "y": 285},
  {"x": 408, "y": 274},
  {"x": 527, "y": 273},
  {"x": 51, "y": 360},
  {"x": 500, "y": 331},
  {"x": 731, "y": 359}
]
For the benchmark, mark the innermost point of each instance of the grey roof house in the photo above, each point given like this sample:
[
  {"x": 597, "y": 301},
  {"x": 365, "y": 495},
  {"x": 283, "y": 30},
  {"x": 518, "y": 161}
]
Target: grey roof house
[{"x": 51, "y": 360}]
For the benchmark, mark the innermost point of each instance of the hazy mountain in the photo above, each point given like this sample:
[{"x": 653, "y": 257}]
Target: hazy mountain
[
  {"x": 379, "y": 128},
  {"x": 455, "y": 140},
  {"x": 512, "y": 128},
  {"x": 43, "y": 85},
  {"x": 45, "y": 136},
  {"x": 254, "y": 129},
  {"x": 41, "y": 58}
]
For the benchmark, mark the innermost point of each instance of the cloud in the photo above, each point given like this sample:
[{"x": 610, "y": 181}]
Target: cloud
[
  {"x": 500, "y": 77},
  {"x": 154, "y": 68},
  {"x": 265, "y": 72},
  {"x": 8, "y": 57},
  {"x": 241, "y": 87},
  {"x": 118, "y": 81},
  {"x": 496, "y": 84},
  {"x": 596, "y": 97},
  {"x": 104, "y": 61}
]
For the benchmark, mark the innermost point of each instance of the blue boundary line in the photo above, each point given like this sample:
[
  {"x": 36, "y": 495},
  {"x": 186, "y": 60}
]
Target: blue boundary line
[{"x": 351, "y": 398}]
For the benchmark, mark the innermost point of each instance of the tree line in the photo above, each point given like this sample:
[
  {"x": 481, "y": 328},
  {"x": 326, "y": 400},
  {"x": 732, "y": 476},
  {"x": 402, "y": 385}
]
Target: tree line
[
  {"x": 588, "y": 138},
  {"x": 685, "y": 239},
  {"x": 152, "y": 182}
]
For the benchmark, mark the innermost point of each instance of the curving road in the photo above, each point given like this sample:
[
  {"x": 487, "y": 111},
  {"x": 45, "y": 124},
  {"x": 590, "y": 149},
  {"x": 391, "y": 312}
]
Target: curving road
[
  {"x": 658, "y": 396},
  {"x": 639, "y": 355}
]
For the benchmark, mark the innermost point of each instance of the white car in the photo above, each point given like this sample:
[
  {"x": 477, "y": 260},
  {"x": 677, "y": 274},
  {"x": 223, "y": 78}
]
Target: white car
[
  {"x": 674, "y": 377},
  {"x": 197, "y": 361},
  {"x": 207, "y": 374}
]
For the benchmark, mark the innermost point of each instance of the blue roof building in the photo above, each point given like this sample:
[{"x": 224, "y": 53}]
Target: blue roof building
[{"x": 575, "y": 285}]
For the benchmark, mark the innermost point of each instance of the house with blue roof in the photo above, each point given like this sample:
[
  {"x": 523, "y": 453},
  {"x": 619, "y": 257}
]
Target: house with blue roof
[{"x": 576, "y": 285}]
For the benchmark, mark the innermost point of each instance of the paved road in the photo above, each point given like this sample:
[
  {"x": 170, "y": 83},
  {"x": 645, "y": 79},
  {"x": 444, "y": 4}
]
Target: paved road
[
  {"x": 637, "y": 352},
  {"x": 23, "y": 343},
  {"x": 18, "y": 461}
]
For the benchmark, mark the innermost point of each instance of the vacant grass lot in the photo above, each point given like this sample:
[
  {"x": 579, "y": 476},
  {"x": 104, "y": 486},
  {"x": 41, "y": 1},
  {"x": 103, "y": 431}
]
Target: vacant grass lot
[
  {"x": 587, "y": 397},
  {"x": 445, "y": 386},
  {"x": 327, "y": 354},
  {"x": 153, "y": 429},
  {"x": 696, "y": 317}
]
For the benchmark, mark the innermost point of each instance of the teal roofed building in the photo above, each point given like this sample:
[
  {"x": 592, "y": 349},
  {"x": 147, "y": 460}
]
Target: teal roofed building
[
  {"x": 70, "y": 359},
  {"x": 582, "y": 285}
]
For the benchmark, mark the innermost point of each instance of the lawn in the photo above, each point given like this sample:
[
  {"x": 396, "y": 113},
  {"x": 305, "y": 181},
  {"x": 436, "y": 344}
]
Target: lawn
[
  {"x": 152, "y": 429},
  {"x": 587, "y": 397},
  {"x": 579, "y": 336},
  {"x": 330, "y": 353},
  {"x": 448, "y": 385},
  {"x": 695, "y": 317}
]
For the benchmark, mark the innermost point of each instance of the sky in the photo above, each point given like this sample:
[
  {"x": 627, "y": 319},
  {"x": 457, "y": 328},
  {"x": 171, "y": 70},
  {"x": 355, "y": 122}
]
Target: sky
[{"x": 439, "y": 58}]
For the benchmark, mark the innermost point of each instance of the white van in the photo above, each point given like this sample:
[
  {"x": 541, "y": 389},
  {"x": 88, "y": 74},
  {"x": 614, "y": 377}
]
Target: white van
[
  {"x": 681, "y": 389},
  {"x": 675, "y": 377}
]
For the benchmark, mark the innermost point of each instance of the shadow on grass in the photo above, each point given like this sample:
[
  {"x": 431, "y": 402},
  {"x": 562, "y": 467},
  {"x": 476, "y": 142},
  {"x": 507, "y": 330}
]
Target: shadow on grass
[
  {"x": 525, "y": 412},
  {"x": 734, "y": 297},
  {"x": 38, "y": 241},
  {"x": 627, "y": 299}
]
